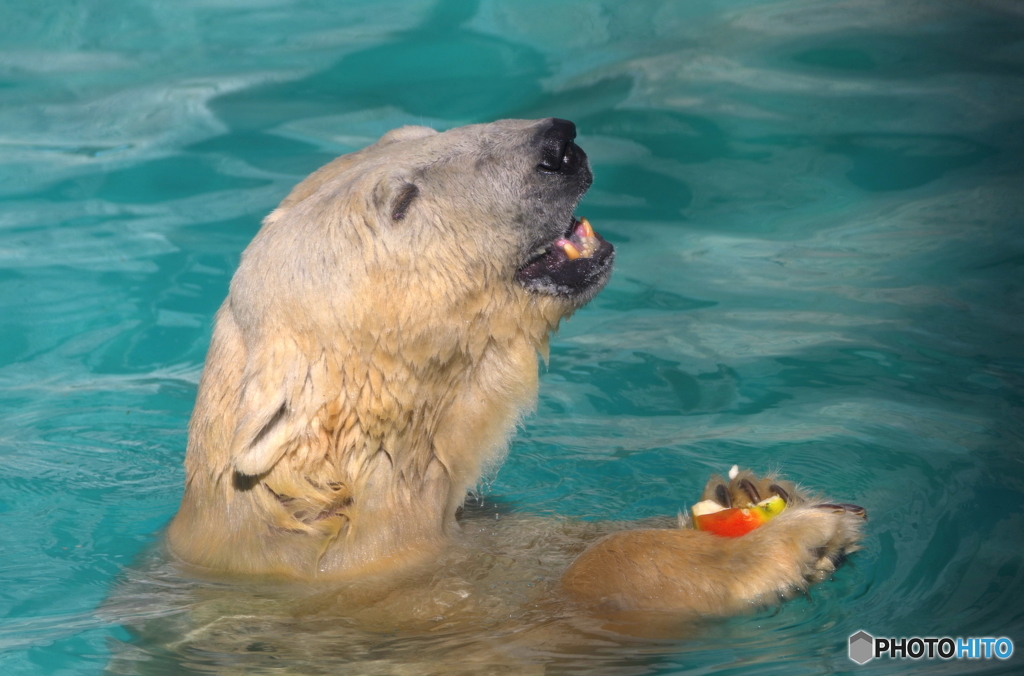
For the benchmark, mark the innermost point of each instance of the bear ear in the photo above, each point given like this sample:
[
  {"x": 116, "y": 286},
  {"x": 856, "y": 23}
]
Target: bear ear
[
  {"x": 266, "y": 425},
  {"x": 406, "y": 133}
]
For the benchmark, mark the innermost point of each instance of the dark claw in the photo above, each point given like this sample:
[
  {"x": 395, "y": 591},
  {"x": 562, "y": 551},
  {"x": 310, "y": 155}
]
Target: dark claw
[
  {"x": 839, "y": 508},
  {"x": 751, "y": 490},
  {"x": 722, "y": 496},
  {"x": 779, "y": 491}
]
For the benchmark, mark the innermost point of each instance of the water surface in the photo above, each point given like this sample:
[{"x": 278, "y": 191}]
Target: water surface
[{"x": 819, "y": 214}]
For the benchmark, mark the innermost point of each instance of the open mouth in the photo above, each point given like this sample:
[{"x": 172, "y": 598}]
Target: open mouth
[{"x": 575, "y": 265}]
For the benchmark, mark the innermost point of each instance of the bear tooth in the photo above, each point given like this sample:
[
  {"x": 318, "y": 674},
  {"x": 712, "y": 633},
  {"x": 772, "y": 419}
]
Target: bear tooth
[
  {"x": 590, "y": 245},
  {"x": 588, "y": 230},
  {"x": 570, "y": 249}
]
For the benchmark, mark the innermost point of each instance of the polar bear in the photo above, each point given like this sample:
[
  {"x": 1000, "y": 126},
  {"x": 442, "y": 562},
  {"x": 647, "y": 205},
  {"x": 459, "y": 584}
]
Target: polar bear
[{"x": 377, "y": 347}]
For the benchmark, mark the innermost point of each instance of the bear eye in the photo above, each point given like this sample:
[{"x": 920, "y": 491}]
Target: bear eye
[{"x": 406, "y": 195}]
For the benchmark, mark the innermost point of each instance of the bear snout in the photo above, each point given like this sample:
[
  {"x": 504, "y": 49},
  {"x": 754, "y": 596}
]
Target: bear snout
[
  {"x": 555, "y": 142},
  {"x": 559, "y": 155}
]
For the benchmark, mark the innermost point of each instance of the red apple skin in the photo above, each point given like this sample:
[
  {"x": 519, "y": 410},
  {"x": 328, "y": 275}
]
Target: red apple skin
[{"x": 730, "y": 523}]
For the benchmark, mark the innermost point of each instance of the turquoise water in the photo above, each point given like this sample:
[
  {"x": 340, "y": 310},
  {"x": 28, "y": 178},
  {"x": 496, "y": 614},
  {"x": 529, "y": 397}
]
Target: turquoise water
[{"x": 819, "y": 214}]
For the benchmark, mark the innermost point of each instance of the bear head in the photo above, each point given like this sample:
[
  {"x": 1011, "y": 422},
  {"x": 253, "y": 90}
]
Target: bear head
[{"x": 381, "y": 334}]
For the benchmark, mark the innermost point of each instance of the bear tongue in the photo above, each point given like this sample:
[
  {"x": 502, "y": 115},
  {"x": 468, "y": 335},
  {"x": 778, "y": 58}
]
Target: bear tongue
[{"x": 582, "y": 243}]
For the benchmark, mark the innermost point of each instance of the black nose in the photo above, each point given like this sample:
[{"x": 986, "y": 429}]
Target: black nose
[{"x": 558, "y": 153}]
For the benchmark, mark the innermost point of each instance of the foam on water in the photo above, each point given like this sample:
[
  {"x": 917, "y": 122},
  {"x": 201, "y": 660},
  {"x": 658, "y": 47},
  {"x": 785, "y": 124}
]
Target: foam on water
[{"x": 818, "y": 212}]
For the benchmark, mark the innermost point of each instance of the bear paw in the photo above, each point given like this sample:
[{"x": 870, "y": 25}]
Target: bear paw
[
  {"x": 693, "y": 571},
  {"x": 814, "y": 538}
]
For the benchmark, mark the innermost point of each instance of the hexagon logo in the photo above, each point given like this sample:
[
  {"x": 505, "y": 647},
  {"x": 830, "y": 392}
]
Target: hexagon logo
[{"x": 862, "y": 647}]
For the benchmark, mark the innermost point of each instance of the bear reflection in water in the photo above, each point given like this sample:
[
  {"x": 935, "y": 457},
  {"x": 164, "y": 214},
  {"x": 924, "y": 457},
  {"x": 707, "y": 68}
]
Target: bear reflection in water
[{"x": 377, "y": 348}]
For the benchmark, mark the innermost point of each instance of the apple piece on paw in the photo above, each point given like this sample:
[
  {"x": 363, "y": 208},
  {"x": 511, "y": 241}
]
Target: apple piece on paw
[
  {"x": 712, "y": 517},
  {"x": 705, "y": 507}
]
